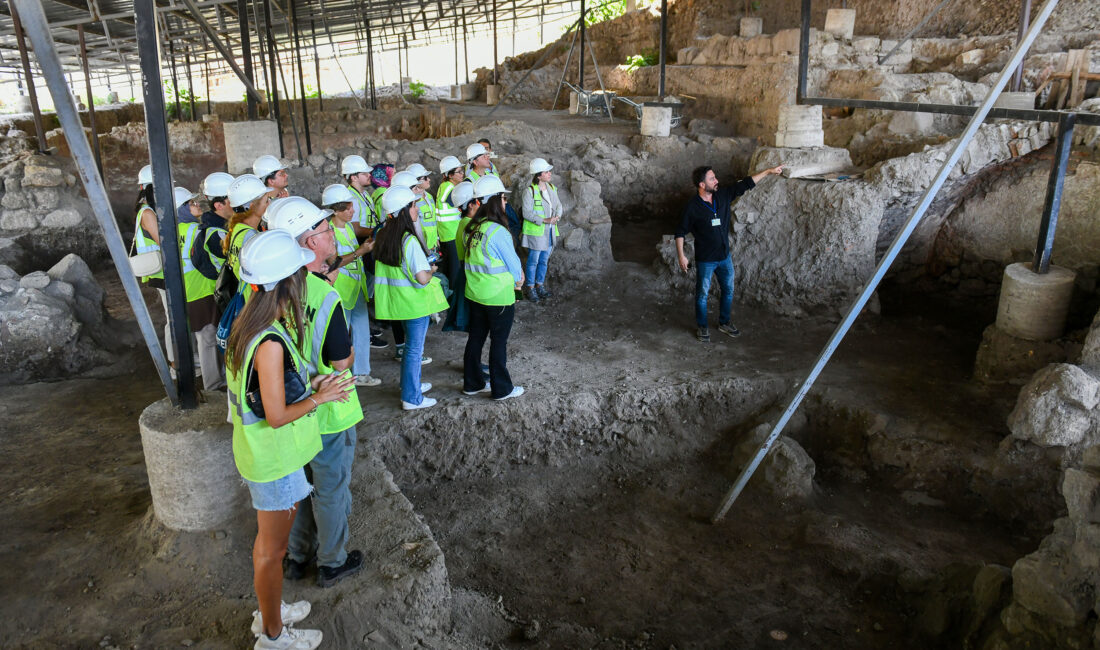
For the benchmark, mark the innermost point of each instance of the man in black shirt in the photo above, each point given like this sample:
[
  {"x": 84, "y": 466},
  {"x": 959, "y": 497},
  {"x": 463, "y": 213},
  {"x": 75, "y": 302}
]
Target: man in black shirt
[{"x": 707, "y": 217}]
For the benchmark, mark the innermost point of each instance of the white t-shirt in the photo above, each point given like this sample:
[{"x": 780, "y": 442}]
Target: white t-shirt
[{"x": 416, "y": 261}]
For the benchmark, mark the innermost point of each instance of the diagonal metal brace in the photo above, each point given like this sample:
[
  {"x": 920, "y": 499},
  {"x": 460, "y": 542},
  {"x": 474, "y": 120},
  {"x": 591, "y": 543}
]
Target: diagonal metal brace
[{"x": 226, "y": 54}]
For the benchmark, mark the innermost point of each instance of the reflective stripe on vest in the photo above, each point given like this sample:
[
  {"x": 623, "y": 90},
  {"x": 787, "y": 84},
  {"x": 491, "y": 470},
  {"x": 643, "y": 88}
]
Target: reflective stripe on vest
[
  {"x": 236, "y": 243},
  {"x": 349, "y": 282},
  {"x": 488, "y": 280},
  {"x": 321, "y": 302},
  {"x": 397, "y": 296},
  {"x": 376, "y": 196},
  {"x": 364, "y": 211},
  {"x": 216, "y": 259},
  {"x": 538, "y": 229},
  {"x": 427, "y": 220},
  {"x": 195, "y": 284},
  {"x": 261, "y": 452}
]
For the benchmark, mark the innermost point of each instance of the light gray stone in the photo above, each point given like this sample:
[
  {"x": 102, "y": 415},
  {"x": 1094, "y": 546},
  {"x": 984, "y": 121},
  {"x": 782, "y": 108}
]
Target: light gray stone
[
  {"x": 88, "y": 302},
  {"x": 13, "y": 257},
  {"x": 36, "y": 280},
  {"x": 1053, "y": 408},
  {"x": 575, "y": 240},
  {"x": 1090, "y": 354},
  {"x": 46, "y": 199},
  {"x": 13, "y": 200},
  {"x": 63, "y": 218},
  {"x": 41, "y": 176},
  {"x": 1042, "y": 582},
  {"x": 1081, "y": 490},
  {"x": 17, "y": 220},
  {"x": 787, "y": 471}
]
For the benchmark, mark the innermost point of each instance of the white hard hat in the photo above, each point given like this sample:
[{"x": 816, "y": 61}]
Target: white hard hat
[
  {"x": 216, "y": 184},
  {"x": 272, "y": 256},
  {"x": 354, "y": 165},
  {"x": 245, "y": 189},
  {"x": 487, "y": 186},
  {"x": 336, "y": 193},
  {"x": 145, "y": 175},
  {"x": 462, "y": 194},
  {"x": 182, "y": 196},
  {"x": 294, "y": 214},
  {"x": 449, "y": 163},
  {"x": 418, "y": 170},
  {"x": 475, "y": 150},
  {"x": 404, "y": 179},
  {"x": 396, "y": 198},
  {"x": 539, "y": 165},
  {"x": 266, "y": 166}
]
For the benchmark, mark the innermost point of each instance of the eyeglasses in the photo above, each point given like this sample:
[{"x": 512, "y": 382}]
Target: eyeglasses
[
  {"x": 323, "y": 232},
  {"x": 422, "y": 178}
]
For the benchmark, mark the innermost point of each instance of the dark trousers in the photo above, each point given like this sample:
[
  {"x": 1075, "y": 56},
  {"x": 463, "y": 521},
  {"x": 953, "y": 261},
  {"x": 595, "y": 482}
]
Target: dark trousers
[
  {"x": 494, "y": 323},
  {"x": 398, "y": 330}
]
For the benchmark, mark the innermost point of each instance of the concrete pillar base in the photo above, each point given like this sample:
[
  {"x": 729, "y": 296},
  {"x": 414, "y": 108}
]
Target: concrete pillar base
[
  {"x": 656, "y": 121},
  {"x": 469, "y": 92},
  {"x": 492, "y": 94},
  {"x": 189, "y": 458},
  {"x": 574, "y": 102},
  {"x": 247, "y": 141},
  {"x": 841, "y": 23},
  {"x": 751, "y": 26},
  {"x": 1033, "y": 306}
]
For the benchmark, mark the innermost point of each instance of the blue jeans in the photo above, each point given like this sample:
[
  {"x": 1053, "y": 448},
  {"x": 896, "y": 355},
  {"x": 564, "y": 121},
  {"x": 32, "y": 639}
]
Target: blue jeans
[
  {"x": 321, "y": 527},
  {"x": 359, "y": 323},
  {"x": 703, "y": 273},
  {"x": 536, "y": 266},
  {"x": 416, "y": 330}
]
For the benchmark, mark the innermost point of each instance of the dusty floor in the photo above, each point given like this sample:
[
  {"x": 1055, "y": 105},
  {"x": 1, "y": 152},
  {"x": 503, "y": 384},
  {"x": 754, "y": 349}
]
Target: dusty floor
[{"x": 603, "y": 546}]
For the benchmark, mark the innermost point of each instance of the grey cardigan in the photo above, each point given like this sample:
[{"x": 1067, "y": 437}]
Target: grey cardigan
[{"x": 551, "y": 207}]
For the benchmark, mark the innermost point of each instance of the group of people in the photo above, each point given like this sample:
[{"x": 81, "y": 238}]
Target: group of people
[{"x": 305, "y": 278}]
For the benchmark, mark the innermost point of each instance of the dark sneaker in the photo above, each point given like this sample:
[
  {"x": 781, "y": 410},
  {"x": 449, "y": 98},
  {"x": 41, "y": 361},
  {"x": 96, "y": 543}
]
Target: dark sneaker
[
  {"x": 729, "y": 329},
  {"x": 530, "y": 293},
  {"x": 294, "y": 570},
  {"x": 375, "y": 331},
  {"x": 377, "y": 341},
  {"x": 542, "y": 291},
  {"x": 703, "y": 334},
  {"x": 328, "y": 576}
]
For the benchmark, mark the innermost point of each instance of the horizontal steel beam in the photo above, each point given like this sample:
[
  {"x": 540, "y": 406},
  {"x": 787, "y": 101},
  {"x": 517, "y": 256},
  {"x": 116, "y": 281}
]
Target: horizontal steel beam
[{"x": 1030, "y": 115}]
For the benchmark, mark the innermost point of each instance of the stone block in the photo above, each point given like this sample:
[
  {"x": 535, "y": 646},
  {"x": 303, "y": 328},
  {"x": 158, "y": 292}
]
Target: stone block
[
  {"x": 574, "y": 102},
  {"x": 17, "y": 220},
  {"x": 1041, "y": 585},
  {"x": 39, "y": 176},
  {"x": 36, "y": 280},
  {"x": 1034, "y": 306},
  {"x": 841, "y": 23},
  {"x": 866, "y": 44},
  {"x": 63, "y": 218},
  {"x": 798, "y": 139},
  {"x": 787, "y": 471},
  {"x": 15, "y": 200},
  {"x": 247, "y": 141},
  {"x": 1053, "y": 409},
  {"x": 909, "y": 123},
  {"x": 1019, "y": 100},
  {"x": 210, "y": 119},
  {"x": 685, "y": 55},
  {"x": 801, "y": 162},
  {"x": 656, "y": 121},
  {"x": 751, "y": 26},
  {"x": 46, "y": 199},
  {"x": 785, "y": 40},
  {"x": 493, "y": 93},
  {"x": 575, "y": 240},
  {"x": 1081, "y": 490},
  {"x": 970, "y": 58}
]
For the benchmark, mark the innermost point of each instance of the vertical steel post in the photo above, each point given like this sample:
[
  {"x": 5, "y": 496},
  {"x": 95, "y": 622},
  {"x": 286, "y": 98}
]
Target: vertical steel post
[
  {"x": 48, "y": 61},
  {"x": 190, "y": 83},
  {"x": 370, "y": 66},
  {"x": 262, "y": 49},
  {"x": 175, "y": 79},
  {"x": 454, "y": 28},
  {"x": 292, "y": 9},
  {"x": 580, "y": 82},
  {"x": 891, "y": 253},
  {"x": 147, "y": 33},
  {"x": 664, "y": 50},
  {"x": 495, "y": 42},
  {"x": 91, "y": 99},
  {"x": 206, "y": 75},
  {"x": 272, "y": 58},
  {"x": 803, "y": 52},
  {"x": 465, "y": 50},
  {"x": 246, "y": 54},
  {"x": 1053, "y": 203},
  {"x": 1025, "y": 17},
  {"x": 400, "y": 75},
  {"x": 317, "y": 67},
  {"x": 36, "y": 112}
]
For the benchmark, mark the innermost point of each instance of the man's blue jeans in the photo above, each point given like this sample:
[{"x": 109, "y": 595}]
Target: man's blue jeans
[
  {"x": 321, "y": 527},
  {"x": 416, "y": 330},
  {"x": 703, "y": 273}
]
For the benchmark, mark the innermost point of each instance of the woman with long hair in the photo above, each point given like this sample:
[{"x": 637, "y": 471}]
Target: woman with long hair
[
  {"x": 147, "y": 240},
  {"x": 405, "y": 289},
  {"x": 249, "y": 198},
  {"x": 493, "y": 274},
  {"x": 275, "y": 427}
]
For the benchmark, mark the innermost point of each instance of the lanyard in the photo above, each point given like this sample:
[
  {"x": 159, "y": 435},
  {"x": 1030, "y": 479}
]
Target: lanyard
[{"x": 713, "y": 208}]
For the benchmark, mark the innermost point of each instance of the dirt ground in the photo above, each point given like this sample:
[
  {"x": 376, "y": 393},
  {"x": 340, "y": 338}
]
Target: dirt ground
[{"x": 559, "y": 543}]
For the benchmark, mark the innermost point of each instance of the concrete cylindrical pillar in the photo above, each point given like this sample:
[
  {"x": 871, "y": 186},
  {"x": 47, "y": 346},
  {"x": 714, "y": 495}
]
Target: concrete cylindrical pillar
[
  {"x": 656, "y": 120},
  {"x": 1034, "y": 306},
  {"x": 492, "y": 94},
  {"x": 189, "y": 458}
]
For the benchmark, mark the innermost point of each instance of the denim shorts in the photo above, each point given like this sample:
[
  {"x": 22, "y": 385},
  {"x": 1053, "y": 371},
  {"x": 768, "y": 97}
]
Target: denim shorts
[{"x": 280, "y": 494}]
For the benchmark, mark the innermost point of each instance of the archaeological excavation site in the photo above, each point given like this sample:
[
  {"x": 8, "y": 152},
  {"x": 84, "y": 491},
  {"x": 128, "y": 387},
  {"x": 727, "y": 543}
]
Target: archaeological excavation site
[{"x": 637, "y": 324}]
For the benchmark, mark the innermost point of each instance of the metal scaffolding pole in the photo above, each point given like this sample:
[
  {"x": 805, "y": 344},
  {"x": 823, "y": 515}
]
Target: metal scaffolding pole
[
  {"x": 496, "y": 66},
  {"x": 190, "y": 84},
  {"x": 206, "y": 75},
  {"x": 246, "y": 53},
  {"x": 664, "y": 50},
  {"x": 580, "y": 81},
  {"x": 317, "y": 67},
  {"x": 293, "y": 9},
  {"x": 175, "y": 79},
  {"x": 1053, "y": 203},
  {"x": 370, "y": 67},
  {"x": 274, "y": 87},
  {"x": 1025, "y": 16},
  {"x": 891, "y": 253},
  {"x": 91, "y": 99},
  {"x": 465, "y": 50},
  {"x": 48, "y": 61},
  {"x": 36, "y": 112}
]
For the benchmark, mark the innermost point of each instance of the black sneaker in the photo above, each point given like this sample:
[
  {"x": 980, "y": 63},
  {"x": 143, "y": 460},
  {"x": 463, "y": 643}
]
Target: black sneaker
[
  {"x": 530, "y": 294},
  {"x": 729, "y": 329},
  {"x": 377, "y": 341},
  {"x": 375, "y": 331},
  {"x": 543, "y": 292},
  {"x": 703, "y": 334},
  {"x": 328, "y": 576},
  {"x": 294, "y": 570}
]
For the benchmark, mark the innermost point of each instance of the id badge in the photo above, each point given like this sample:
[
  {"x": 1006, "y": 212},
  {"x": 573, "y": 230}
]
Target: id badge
[{"x": 715, "y": 222}]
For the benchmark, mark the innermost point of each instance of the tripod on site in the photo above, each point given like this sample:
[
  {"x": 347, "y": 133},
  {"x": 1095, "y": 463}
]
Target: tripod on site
[{"x": 587, "y": 100}]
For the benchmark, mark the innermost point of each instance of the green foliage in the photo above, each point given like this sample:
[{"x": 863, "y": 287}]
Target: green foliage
[
  {"x": 312, "y": 93},
  {"x": 647, "y": 58},
  {"x": 606, "y": 11},
  {"x": 185, "y": 102},
  {"x": 751, "y": 6},
  {"x": 417, "y": 89}
]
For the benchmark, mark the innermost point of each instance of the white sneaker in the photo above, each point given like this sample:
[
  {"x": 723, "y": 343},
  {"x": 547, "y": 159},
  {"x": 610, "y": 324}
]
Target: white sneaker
[
  {"x": 291, "y": 614},
  {"x": 425, "y": 386},
  {"x": 290, "y": 639},
  {"x": 367, "y": 380},
  {"x": 428, "y": 401},
  {"x": 425, "y": 360},
  {"x": 516, "y": 392}
]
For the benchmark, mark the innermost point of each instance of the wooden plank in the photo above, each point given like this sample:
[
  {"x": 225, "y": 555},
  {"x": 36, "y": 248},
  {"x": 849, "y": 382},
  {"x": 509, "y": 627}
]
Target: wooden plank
[{"x": 1077, "y": 84}]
